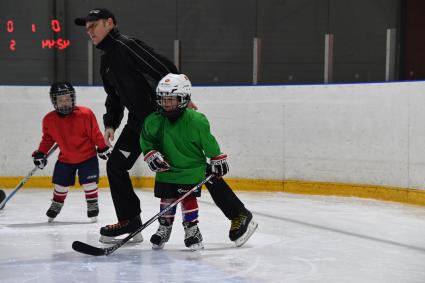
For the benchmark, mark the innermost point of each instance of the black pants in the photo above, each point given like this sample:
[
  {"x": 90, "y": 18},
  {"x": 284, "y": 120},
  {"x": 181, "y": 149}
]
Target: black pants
[
  {"x": 125, "y": 153},
  {"x": 127, "y": 205},
  {"x": 224, "y": 197}
]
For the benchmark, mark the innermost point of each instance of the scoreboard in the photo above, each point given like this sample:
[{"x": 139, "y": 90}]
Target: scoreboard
[{"x": 31, "y": 34}]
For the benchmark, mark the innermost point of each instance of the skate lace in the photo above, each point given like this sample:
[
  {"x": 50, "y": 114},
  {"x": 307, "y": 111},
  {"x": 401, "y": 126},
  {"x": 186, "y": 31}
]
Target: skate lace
[
  {"x": 56, "y": 206},
  {"x": 191, "y": 231},
  {"x": 117, "y": 225},
  {"x": 92, "y": 206},
  {"x": 163, "y": 231},
  {"x": 236, "y": 223}
]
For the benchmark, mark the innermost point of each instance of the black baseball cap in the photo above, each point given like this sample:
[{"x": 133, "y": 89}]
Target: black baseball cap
[{"x": 94, "y": 15}]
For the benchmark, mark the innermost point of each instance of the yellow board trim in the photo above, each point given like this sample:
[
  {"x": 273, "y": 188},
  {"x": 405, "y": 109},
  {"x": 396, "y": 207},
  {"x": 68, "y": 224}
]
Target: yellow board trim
[{"x": 402, "y": 195}]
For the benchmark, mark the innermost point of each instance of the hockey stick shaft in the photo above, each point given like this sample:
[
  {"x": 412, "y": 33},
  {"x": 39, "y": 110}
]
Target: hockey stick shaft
[
  {"x": 91, "y": 250},
  {"x": 25, "y": 179}
]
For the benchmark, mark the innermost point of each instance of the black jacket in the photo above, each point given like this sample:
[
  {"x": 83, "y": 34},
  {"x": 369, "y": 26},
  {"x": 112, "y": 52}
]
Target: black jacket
[{"x": 130, "y": 72}]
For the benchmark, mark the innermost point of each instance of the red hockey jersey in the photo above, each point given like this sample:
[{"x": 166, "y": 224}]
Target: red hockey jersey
[{"x": 77, "y": 135}]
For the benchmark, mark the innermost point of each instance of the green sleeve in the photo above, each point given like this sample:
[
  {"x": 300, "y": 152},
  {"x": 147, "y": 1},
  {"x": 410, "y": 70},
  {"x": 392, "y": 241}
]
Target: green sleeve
[
  {"x": 148, "y": 140},
  {"x": 208, "y": 141}
]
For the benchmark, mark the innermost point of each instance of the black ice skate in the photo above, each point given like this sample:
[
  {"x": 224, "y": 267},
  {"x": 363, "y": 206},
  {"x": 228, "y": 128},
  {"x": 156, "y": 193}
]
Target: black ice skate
[
  {"x": 162, "y": 235},
  {"x": 192, "y": 237},
  {"x": 92, "y": 209},
  {"x": 242, "y": 228},
  {"x": 54, "y": 210},
  {"x": 109, "y": 233}
]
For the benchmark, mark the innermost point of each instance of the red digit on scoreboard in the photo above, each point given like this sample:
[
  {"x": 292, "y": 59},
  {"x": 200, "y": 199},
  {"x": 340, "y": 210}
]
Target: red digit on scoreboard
[
  {"x": 12, "y": 45},
  {"x": 56, "y": 26},
  {"x": 9, "y": 26}
]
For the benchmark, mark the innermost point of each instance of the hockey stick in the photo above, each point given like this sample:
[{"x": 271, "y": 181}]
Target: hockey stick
[
  {"x": 91, "y": 250},
  {"x": 2, "y": 196},
  {"x": 3, "y": 203}
]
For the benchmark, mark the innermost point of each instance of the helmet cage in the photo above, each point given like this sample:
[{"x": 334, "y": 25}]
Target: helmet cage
[
  {"x": 62, "y": 90},
  {"x": 182, "y": 100},
  {"x": 181, "y": 103}
]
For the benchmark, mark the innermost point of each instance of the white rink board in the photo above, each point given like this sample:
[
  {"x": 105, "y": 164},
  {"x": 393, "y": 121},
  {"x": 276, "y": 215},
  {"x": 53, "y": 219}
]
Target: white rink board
[{"x": 351, "y": 133}]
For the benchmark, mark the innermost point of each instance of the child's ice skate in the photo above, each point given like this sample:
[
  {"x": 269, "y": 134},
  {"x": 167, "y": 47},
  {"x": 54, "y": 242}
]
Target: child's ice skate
[
  {"x": 54, "y": 210},
  {"x": 192, "y": 237}
]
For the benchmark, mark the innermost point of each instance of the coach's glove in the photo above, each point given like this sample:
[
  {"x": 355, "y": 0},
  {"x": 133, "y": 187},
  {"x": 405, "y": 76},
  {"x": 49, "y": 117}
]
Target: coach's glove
[
  {"x": 104, "y": 153},
  {"x": 219, "y": 166},
  {"x": 39, "y": 159},
  {"x": 156, "y": 161}
]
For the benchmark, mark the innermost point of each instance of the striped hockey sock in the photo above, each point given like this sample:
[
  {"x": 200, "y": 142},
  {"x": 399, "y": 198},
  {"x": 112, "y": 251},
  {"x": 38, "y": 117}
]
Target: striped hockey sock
[
  {"x": 91, "y": 191},
  {"x": 60, "y": 193},
  {"x": 190, "y": 209}
]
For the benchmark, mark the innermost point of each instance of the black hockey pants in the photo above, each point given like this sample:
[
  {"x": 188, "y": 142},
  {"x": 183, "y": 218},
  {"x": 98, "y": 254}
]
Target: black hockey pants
[
  {"x": 224, "y": 197},
  {"x": 124, "y": 155}
]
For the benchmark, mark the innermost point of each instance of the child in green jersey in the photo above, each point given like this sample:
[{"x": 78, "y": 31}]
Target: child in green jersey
[{"x": 176, "y": 142}]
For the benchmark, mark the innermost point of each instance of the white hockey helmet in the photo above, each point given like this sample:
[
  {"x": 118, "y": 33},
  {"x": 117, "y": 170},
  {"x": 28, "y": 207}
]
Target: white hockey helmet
[{"x": 173, "y": 85}]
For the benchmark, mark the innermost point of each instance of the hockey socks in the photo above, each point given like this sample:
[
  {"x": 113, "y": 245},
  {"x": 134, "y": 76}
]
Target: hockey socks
[{"x": 91, "y": 192}]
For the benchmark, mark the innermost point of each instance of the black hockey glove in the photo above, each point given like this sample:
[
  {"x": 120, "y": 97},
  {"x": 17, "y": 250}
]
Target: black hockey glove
[
  {"x": 156, "y": 161},
  {"x": 104, "y": 153},
  {"x": 219, "y": 166},
  {"x": 39, "y": 159}
]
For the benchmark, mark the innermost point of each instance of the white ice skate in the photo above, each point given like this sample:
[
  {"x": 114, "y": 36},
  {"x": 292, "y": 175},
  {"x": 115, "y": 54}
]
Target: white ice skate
[
  {"x": 92, "y": 209},
  {"x": 193, "y": 237},
  {"x": 53, "y": 210},
  {"x": 161, "y": 236}
]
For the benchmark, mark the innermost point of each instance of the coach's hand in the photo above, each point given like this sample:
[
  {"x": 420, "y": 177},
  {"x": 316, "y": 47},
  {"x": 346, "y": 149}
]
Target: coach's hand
[{"x": 108, "y": 136}]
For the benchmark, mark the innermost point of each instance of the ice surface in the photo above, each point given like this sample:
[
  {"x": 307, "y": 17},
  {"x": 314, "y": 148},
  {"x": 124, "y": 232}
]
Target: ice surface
[{"x": 299, "y": 239}]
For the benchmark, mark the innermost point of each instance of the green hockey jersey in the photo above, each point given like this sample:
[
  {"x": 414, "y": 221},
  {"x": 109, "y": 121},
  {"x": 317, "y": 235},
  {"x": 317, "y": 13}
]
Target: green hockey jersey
[{"x": 185, "y": 144}]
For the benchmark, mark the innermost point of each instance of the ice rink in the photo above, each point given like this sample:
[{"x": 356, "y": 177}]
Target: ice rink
[{"x": 299, "y": 239}]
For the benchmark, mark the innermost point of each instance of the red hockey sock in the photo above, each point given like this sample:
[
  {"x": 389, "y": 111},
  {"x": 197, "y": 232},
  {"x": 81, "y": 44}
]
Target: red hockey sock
[
  {"x": 91, "y": 191},
  {"x": 60, "y": 193},
  {"x": 190, "y": 209}
]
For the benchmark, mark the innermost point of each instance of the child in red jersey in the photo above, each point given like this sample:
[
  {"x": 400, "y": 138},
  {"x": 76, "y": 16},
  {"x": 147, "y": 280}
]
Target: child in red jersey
[{"x": 75, "y": 130}]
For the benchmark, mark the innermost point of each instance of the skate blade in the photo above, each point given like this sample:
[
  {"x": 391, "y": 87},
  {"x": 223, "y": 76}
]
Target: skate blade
[
  {"x": 196, "y": 247},
  {"x": 113, "y": 240},
  {"x": 245, "y": 237},
  {"x": 93, "y": 219},
  {"x": 50, "y": 220},
  {"x": 158, "y": 247}
]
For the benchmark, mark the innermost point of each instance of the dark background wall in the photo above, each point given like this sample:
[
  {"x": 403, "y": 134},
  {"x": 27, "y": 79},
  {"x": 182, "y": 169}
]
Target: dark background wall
[
  {"x": 216, "y": 38},
  {"x": 413, "y": 41}
]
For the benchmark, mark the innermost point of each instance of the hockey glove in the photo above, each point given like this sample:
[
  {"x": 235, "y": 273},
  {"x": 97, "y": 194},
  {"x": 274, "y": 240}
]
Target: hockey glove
[
  {"x": 219, "y": 166},
  {"x": 39, "y": 159},
  {"x": 104, "y": 153},
  {"x": 156, "y": 161}
]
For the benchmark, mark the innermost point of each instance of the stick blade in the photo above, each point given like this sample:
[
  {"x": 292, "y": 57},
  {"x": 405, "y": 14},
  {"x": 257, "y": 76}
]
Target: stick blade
[
  {"x": 87, "y": 249},
  {"x": 2, "y": 198}
]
